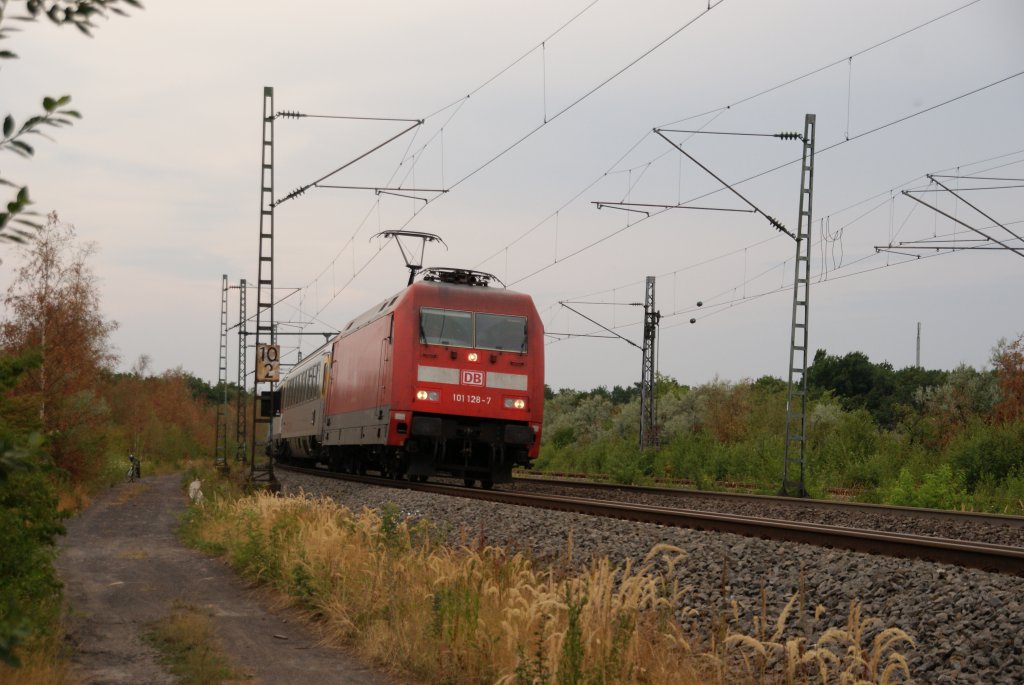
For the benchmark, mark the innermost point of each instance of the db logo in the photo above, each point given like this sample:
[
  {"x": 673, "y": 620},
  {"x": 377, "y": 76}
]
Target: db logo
[{"x": 472, "y": 377}]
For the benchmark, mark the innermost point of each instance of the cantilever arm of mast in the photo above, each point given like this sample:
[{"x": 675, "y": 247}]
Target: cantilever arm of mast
[
  {"x": 957, "y": 247},
  {"x": 978, "y": 210},
  {"x": 772, "y": 220},
  {"x": 1015, "y": 250},
  {"x": 625, "y": 206},
  {"x": 389, "y": 191},
  {"x": 600, "y": 324},
  {"x": 302, "y": 189},
  {"x": 564, "y": 336}
]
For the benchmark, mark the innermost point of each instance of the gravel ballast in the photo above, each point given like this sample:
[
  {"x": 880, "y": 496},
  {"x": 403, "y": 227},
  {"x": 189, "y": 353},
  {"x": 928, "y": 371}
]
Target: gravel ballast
[{"x": 968, "y": 625}]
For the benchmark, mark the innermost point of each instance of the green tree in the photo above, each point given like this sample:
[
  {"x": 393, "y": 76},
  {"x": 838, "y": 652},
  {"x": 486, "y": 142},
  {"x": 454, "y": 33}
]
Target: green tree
[
  {"x": 860, "y": 383},
  {"x": 1008, "y": 363},
  {"x": 850, "y": 376},
  {"x": 17, "y": 222},
  {"x": 54, "y": 308},
  {"x": 967, "y": 396},
  {"x": 769, "y": 384}
]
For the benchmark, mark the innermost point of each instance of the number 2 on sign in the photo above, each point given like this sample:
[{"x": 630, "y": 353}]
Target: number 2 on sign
[{"x": 268, "y": 363}]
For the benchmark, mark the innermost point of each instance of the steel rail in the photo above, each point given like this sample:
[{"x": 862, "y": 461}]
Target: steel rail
[
  {"x": 984, "y": 556},
  {"x": 819, "y": 504}
]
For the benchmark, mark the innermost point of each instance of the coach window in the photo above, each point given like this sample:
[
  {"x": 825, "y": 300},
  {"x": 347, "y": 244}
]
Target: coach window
[
  {"x": 497, "y": 332},
  {"x": 446, "y": 327}
]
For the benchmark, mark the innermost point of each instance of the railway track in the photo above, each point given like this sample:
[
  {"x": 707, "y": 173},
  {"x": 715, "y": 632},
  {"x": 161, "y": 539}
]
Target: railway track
[
  {"x": 682, "y": 497},
  {"x": 997, "y": 558}
]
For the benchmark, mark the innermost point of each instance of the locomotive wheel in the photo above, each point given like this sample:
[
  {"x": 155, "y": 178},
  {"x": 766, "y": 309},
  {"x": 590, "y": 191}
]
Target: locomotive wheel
[
  {"x": 487, "y": 484},
  {"x": 468, "y": 482}
]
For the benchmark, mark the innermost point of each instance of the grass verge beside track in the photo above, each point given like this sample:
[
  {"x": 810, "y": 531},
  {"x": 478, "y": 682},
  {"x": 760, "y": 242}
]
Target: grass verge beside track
[{"x": 390, "y": 590}]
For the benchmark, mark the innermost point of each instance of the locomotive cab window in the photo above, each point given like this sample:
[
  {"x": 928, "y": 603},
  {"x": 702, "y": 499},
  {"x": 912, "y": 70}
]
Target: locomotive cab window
[
  {"x": 446, "y": 327},
  {"x": 498, "y": 332}
]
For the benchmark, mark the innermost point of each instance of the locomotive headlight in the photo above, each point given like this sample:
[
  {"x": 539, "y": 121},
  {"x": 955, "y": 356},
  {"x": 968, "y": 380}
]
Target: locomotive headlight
[
  {"x": 432, "y": 395},
  {"x": 473, "y": 356},
  {"x": 515, "y": 403}
]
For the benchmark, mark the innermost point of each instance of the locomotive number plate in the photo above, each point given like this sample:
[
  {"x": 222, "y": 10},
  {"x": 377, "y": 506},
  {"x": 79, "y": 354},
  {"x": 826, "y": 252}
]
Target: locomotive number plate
[{"x": 470, "y": 399}]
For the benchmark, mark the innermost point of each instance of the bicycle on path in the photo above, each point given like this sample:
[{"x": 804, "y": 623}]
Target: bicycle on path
[{"x": 134, "y": 469}]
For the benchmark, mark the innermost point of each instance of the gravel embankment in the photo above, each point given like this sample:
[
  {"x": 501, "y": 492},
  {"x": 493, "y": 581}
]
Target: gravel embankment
[{"x": 968, "y": 625}]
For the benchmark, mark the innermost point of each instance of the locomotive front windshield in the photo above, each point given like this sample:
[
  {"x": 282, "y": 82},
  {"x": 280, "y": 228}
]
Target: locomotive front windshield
[
  {"x": 468, "y": 329},
  {"x": 498, "y": 332},
  {"x": 446, "y": 327}
]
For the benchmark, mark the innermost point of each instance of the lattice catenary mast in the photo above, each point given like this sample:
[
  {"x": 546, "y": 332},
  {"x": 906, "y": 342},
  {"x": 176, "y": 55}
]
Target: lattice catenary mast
[
  {"x": 241, "y": 444},
  {"x": 648, "y": 425},
  {"x": 220, "y": 446},
  {"x": 796, "y": 418},
  {"x": 261, "y": 466}
]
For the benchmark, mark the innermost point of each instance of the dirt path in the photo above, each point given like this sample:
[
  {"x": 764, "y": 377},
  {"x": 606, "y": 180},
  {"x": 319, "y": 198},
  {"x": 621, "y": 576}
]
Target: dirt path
[{"x": 123, "y": 568}]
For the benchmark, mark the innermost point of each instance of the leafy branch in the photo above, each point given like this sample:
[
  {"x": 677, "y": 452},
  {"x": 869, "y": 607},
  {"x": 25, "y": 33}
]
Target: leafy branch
[
  {"x": 15, "y": 228},
  {"x": 77, "y": 13},
  {"x": 17, "y": 223}
]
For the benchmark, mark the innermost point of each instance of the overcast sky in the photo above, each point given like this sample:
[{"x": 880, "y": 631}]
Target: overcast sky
[{"x": 163, "y": 171}]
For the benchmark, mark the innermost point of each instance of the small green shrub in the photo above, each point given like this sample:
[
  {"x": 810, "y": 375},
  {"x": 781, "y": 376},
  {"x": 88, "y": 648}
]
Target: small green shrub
[
  {"x": 988, "y": 452},
  {"x": 30, "y": 590},
  {"x": 939, "y": 489}
]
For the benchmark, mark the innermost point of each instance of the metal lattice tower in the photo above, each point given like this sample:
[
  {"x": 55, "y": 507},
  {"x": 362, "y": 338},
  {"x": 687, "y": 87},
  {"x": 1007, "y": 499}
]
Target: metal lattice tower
[
  {"x": 260, "y": 464},
  {"x": 220, "y": 447},
  {"x": 241, "y": 445},
  {"x": 648, "y": 428},
  {"x": 796, "y": 398}
]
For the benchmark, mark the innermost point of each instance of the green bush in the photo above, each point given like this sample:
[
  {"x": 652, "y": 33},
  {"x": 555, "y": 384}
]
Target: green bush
[
  {"x": 30, "y": 591},
  {"x": 1005, "y": 497},
  {"x": 723, "y": 432},
  {"x": 940, "y": 489},
  {"x": 984, "y": 452}
]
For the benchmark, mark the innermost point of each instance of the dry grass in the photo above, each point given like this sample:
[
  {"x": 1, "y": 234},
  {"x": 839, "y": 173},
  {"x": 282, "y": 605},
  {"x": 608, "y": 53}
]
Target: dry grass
[
  {"x": 42, "y": 663},
  {"x": 188, "y": 645},
  {"x": 75, "y": 498},
  {"x": 480, "y": 615}
]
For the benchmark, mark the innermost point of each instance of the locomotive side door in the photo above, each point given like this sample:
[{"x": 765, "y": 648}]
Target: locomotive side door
[{"x": 384, "y": 373}]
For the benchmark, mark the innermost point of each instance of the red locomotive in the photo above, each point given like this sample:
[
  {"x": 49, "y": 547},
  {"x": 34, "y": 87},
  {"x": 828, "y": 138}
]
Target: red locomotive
[{"x": 445, "y": 377}]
